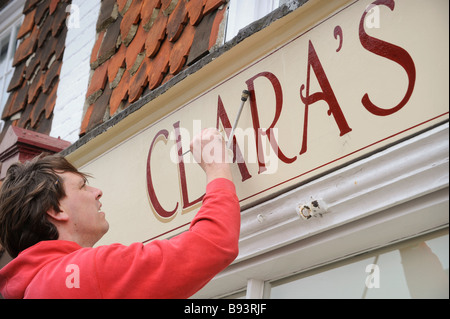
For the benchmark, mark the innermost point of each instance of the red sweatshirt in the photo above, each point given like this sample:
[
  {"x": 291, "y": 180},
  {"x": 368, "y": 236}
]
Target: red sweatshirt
[{"x": 175, "y": 268}]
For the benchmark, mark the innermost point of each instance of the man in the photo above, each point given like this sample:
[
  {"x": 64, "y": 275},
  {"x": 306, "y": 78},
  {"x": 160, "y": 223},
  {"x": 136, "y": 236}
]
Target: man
[{"x": 50, "y": 218}]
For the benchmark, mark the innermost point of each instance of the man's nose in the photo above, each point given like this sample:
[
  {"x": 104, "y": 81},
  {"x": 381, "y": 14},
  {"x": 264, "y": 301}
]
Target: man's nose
[{"x": 97, "y": 192}]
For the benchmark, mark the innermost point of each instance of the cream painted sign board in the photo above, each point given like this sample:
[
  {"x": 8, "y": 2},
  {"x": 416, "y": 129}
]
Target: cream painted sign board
[{"x": 359, "y": 79}]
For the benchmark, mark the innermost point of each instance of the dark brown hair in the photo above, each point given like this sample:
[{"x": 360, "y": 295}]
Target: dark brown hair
[{"x": 28, "y": 191}]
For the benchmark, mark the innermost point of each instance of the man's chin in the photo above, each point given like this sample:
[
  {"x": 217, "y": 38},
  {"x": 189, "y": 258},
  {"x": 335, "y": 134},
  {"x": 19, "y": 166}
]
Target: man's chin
[{"x": 103, "y": 231}]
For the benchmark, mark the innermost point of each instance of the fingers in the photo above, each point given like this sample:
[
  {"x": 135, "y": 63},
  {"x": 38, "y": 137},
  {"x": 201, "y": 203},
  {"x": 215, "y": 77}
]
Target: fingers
[
  {"x": 209, "y": 150},
  {"x": 208, "y": 147}
]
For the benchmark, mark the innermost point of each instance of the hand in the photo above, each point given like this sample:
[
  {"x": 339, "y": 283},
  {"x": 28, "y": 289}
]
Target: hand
[{"x": 209, "y": 150}]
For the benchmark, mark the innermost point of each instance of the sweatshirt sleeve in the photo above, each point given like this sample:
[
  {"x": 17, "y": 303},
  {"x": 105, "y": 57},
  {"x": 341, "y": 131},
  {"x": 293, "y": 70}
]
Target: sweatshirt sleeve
[{"x": 179, "y": 267}]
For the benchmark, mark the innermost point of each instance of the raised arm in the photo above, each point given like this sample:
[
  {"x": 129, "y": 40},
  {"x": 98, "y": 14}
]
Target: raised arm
[{"x": 179, "y": 267}]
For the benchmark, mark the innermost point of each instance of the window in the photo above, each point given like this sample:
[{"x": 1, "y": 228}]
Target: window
[
  {"x": 8, "y": 45},
  {"x": 10, "y": 22},
  {"x": 242, "y": 13},
  {"x": 415, "y": 269},
  {"x": 236, "y": 295}
]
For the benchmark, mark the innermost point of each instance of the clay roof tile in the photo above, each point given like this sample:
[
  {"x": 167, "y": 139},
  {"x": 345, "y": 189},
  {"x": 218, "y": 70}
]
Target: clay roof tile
[
  {"x": 123, "y": 5},
  {"x": 167, "y": 6},
  {"x": 86, "y": 119},
  {"x": 27, "y": 24},
  {"x": 17, "y": 78},
  {"x": 53, "y": 5},
  {"x": 177, "y": 20},
  {"x": 61, "y": 44},
  {"x": 10, "y": 103},
  {"x": 181, "y": 49},
  {"x": 35, "y": 88},
  {"x": 214, "y": 34},
  {"x": 59, "y": 19},
  {"x": 212, "y": 5},
  {"x": 52, "y": 76},
  {"x": 45, "y": 31},
  {"x": 99, "y": 109},
  {"x": 26, "y": 47},
  {"x": 51, "y": 101},
  {"x": 96, "y": 48},
  {"x": 195, "y": 11},
  {"x": 45, "y": 54},
  {"x": 139, "y": 81},
  {"x": 29, "y": 5},
  {"x": 41, "y": 12},
  {"x": 108, "y": 14},
  {"x": 38, "y": 107},
  {"x": 20, "y": 102},
  {"x": 158, "y": 39},
  {"x": 160, "y": 65},
  {"x": 116, "y": 62},
  {"x": 149, "y": 13},
  {"x": 98, "y": 80},
  {"x": 135, "y": 48},
  {"x": 156, "y": 35},
  {"x": 37, "y": 63},
  {"x": 129, "y": 22},
  {"x": 201, "y": 40},
  {"x": 109, "y": 43},
  {"x": 120, "y": 93}
]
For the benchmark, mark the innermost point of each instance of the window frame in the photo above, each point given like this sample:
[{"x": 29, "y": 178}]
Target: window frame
[
  {"x": 11, "y": 17},
  {"x": 365, "y": 259},
  {"x": 377, "y": 213},
  {"x": 243, "y": 13}
]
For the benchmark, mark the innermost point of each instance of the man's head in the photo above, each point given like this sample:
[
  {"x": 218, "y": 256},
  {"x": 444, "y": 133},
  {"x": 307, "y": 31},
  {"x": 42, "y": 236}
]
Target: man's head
[{"x": 48, "y": 199}]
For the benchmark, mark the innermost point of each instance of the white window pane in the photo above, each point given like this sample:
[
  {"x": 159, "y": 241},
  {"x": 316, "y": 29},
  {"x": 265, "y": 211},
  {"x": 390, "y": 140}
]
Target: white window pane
[
  {"x": 13, "y": 47},
  {"x": 4, "y": 42},
  {"x": 10, "y": 21},
  {"x": 237, "y": 295},
  {"x": 4, "y": 79},
  {"x": 412, "y": 270},
  {"x": 5, "y": 95},
  {"x": 244, "y": 12},
  {"x": 343, "y": 282}
]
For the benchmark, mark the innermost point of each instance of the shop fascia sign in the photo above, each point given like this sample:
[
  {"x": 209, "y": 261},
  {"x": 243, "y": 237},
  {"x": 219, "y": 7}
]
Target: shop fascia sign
[{"x": 367, "y": 76}]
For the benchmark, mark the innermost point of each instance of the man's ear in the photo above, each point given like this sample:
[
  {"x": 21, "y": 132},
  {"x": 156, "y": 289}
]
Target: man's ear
[{"x": 58, "y": 216}]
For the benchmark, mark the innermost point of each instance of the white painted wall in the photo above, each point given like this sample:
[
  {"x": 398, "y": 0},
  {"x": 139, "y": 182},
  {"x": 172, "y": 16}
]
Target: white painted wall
[
  {"x": 243, "y": 13},
  {"x": 393, "y": 195},
  {"x": 74, "y": 77}
]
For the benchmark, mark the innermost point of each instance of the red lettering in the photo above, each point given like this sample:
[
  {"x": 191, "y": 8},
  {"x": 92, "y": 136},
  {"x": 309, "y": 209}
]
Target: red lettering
[
  {"x": 255, "y": 118},
  {"x": 391, "y": 52},
  {"x": 223, "y": 117},
  {"x": 182, "y": 171},
  {"x": 150, "y": 187},
  {"x": 327, "y": 95}
]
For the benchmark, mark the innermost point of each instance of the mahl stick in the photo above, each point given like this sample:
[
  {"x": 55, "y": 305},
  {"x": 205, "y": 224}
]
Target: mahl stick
[{"x": 244, "y": 98}]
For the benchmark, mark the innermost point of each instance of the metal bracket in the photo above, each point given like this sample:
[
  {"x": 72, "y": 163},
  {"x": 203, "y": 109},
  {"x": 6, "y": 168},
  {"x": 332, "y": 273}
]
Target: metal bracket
[{"x": 314, "y": 209}]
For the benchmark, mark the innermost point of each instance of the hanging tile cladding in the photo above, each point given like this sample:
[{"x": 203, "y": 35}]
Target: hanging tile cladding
[
  {"x": 37, "y": 65},
  {"x": 140, "y": 45}
]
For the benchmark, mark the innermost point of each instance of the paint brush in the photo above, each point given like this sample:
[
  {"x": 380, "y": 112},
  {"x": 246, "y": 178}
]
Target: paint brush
[{"x": 244, "y": 98}]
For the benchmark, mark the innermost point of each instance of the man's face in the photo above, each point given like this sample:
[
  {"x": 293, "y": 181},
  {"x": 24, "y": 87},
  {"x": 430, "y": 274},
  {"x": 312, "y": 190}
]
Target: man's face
[{"x": 82, "y": 204}]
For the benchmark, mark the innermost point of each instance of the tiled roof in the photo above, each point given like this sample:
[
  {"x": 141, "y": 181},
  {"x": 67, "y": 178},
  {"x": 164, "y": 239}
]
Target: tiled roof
[
  {"x": 141, "y": 44},
  {"x": 37, "y": 64}
]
